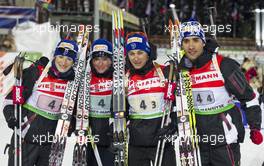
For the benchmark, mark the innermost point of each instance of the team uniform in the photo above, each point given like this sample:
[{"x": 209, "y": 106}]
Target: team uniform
[
  {"x": 216, "y": 80},
  {"x": 100, "y": 112},
  {"x": 145, "y": 105},
  {"x": 41, "y": 109}
]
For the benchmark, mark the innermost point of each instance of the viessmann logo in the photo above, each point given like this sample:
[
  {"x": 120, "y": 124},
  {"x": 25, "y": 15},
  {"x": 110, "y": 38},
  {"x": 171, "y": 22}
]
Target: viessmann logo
[
  {"x": 145, "y": 84},
  {"x": 205, "y": 77},
  {"x": 52, "y": 86},
  {"x": 101, "y": 86}
]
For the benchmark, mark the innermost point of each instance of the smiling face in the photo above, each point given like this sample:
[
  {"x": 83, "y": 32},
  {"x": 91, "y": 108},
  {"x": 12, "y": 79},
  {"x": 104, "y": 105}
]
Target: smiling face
[
  {"x": 138, "y": 58},
  {"x": 63, "y": 63},
  {"x": 101, "y": 64},
  {"x": 193, "y": 47}
]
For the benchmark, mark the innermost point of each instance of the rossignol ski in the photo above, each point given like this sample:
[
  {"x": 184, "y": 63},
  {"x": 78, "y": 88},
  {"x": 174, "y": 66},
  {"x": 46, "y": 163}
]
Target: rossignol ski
[
  {"x": 79, "y": 151},
  {"x": 59, "y": 142},
  {"x": 87, "y": 107},
  {"x": 186, "y": 145},
  {"x": 82, "y": 129},
  {"x": 119, "y": 126}
]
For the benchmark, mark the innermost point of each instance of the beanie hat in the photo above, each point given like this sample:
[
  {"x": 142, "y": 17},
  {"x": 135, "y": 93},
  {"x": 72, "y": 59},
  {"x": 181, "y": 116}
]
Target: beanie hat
[
  {"x": 101, "y": 47},
  {"x": 137, "y": 41},
  {"x": 191, "y": 28},
  {"x": 67, "y": 48}
]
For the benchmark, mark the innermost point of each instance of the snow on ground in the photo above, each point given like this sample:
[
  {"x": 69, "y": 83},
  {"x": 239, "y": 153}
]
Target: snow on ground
[{"x": 252, "y": 155}]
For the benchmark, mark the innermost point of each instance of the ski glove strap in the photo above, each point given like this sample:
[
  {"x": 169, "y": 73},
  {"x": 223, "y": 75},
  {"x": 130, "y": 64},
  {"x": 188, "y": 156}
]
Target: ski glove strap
[{"x": 170, "y": 91}]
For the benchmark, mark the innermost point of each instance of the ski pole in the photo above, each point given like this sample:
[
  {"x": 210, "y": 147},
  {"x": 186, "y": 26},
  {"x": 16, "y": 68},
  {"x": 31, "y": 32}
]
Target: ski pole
[
  {"x": 15, "y": 112},
  {"x": 18, "y": 100},
  {"x": 160, "y": 150},
  {"x": 211, "y": 9}
]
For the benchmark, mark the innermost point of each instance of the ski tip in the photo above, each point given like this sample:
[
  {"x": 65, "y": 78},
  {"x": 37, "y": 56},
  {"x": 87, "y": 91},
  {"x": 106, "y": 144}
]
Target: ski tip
[
  {"x": 114, "y": 20},
  {"x": 121, "y": 19}
]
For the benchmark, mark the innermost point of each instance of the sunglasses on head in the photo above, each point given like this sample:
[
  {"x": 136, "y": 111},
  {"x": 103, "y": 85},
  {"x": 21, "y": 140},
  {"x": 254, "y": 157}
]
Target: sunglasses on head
[
  {"x": 100, "y": 54},
  {"x": 65, "y": 51}
]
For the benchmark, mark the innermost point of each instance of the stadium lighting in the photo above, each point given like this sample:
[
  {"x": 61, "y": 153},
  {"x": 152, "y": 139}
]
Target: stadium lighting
[{"x": 172, "y": 5}]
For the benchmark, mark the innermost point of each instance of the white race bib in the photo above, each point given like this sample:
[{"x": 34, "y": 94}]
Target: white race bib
[
  {"x": 146, "y": 103},
  {"x": 201, "y": 98},
  {"x": 49, "y": 103},
  {"x": 100, "y": 104}
]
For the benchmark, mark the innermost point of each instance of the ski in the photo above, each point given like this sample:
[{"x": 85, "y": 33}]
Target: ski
[
  {"x": 82, "y": 130},
  {"x": 59, "y": 142},
  {"x": 186, "y": 145},
  {"x": 87, "y": 108},
  {"x": 79, "y": 152},
  {"x": 119, "y": 126}
]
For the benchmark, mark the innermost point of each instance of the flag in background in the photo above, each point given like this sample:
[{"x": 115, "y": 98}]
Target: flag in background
[{"x": 10, "y": 16}]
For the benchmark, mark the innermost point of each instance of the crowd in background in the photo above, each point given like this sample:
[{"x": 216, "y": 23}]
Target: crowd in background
[
  {"x": 254, "y": 74},
  {"x": 237, "y": 13}
]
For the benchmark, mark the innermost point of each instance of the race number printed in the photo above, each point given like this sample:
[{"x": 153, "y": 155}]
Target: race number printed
[
  {"x": 202, "y": 98},
  {"x": 150, "y": 103},
  {"x": 100, "y": 103},
  {"x": 49, "y": 103}
]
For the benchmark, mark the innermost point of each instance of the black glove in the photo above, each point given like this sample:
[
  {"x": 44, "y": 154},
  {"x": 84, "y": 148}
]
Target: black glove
[
  {"x": 167, "y": 130},
  {"x": 166, "y": 133},
  {"x": 114, "y": 149},
  {"x": 253, "y": 115},
  {"x": 12, "y": 122}
]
